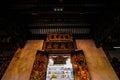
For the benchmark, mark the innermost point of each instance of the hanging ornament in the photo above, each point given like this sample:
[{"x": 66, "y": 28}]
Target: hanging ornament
[{"x": 60, "y": 1}]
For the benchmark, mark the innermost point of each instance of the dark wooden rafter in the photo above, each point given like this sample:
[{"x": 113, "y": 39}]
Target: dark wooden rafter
[{"x": 92, "y": 14}]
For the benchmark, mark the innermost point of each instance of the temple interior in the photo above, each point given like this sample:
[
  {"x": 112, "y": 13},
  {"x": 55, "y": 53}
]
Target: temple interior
[{"x": 60, "y": 40}]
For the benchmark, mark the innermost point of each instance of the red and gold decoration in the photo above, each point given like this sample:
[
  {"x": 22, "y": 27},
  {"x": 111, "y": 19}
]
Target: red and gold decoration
[
  {"x": 59, "y": 45},
  {"x": 80, "y": 67},
  {"x": 39, "y": 67},
  {"x": 59, "y": 37},
  {"x": 59, "y": 41}
]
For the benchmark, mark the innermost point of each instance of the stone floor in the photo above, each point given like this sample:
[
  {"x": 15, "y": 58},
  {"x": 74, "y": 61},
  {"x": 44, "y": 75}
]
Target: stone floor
[{"x": 21, "y": 65}]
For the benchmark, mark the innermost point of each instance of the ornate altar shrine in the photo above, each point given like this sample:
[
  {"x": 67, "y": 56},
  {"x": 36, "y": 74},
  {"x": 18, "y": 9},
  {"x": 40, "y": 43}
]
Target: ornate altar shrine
[
  {"x": 59, "y": 42},
  {"x": 59, "y": 60}
]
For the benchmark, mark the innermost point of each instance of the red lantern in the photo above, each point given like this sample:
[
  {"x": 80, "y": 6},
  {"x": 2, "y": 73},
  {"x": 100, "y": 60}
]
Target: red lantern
[{"x": 60, "y": 1}]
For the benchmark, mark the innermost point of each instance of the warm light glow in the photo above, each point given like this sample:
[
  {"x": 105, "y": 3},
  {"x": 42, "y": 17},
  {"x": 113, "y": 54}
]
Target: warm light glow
[
  {"x": 117, "y": 47},
  {"x": 58, "y": 9}
]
